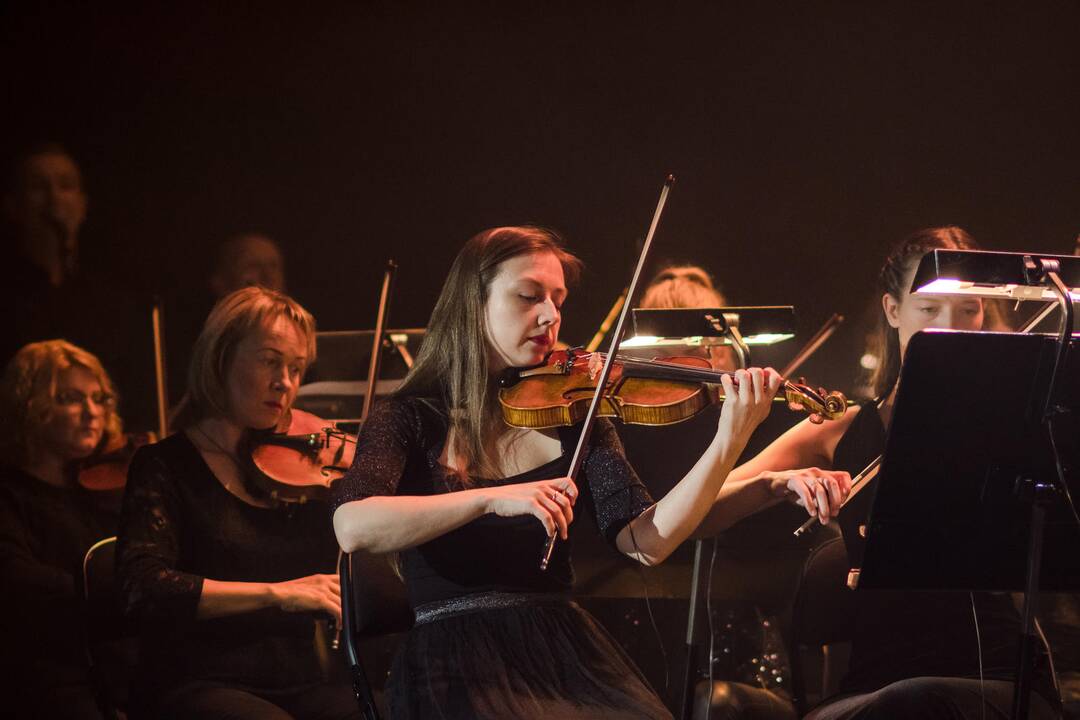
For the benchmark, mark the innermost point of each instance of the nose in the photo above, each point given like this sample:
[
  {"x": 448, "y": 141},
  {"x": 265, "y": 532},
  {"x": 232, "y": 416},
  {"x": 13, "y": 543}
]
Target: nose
[
  {"x": 92, "y": 408},
  {"x": 549, "y": 313},
  {"x": 950, "y": 318},
  {"x": 283, "y": 381}
]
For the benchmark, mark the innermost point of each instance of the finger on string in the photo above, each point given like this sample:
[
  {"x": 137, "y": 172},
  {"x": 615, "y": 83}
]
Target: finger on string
[
  {"x": 744, "y": 385},
  {"x": 728, "y": 384},
  {"x": 758, "y": 377}
]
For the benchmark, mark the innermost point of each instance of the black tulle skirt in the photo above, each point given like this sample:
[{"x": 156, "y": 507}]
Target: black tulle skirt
[{"x": 546, "y": 658}]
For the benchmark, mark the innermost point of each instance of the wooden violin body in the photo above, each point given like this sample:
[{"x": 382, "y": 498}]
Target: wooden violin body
[
  {"x": 301, "y": 462},
  {"x": 106, "y": 470},
  {"x": 642, "y": 392}
]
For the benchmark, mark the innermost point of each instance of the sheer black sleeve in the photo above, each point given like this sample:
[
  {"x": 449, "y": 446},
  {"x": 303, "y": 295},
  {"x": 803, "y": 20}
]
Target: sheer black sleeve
[
  {"x": 392, "y": 432},
  {"x": 617, "y": 494},
  {"x": 151, "y": 528}
]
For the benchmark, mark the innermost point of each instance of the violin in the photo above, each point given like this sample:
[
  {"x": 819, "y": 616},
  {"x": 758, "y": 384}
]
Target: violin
[
  {"x": 306, "y": 454},
  {"x": 300, "y": 462},
  {"x": 642, "y": 392},
  {"x": 106, "y": 470}
]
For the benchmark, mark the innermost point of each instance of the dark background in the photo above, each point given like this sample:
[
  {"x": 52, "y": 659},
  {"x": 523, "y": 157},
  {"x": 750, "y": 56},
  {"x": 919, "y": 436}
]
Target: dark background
[{"x": 805, "y": 141}]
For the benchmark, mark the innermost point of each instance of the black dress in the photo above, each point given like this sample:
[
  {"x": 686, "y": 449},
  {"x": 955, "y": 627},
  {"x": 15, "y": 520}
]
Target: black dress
[
  {"x": 179, "y": 525},
  {"x": 503, "y": 640},
  {"x": 45, "y": 532},
  {"x": 901, "y": 635}
]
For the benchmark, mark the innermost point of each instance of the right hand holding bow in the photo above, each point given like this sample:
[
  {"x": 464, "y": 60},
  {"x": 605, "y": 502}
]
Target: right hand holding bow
[{"x": 549, "y": 501}]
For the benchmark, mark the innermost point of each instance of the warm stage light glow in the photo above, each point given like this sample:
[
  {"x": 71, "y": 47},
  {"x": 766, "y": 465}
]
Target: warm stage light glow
[
  {"x": 952, "y": 286},
  {"x": 699, "y": 341}
]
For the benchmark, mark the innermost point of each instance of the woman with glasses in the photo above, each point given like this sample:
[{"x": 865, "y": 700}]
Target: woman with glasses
[{"x": 57, "y": 409}]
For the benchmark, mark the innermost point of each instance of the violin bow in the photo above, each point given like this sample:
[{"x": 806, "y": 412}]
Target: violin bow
[
  {"x": 160, "y": 385},
  {"x": 605, "y": 373},
  {"x": 376, "y": 344},
  {"x": 823, "y": 334}
]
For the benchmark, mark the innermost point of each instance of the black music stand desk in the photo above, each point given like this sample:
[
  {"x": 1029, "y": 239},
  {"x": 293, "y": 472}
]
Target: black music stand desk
[{"x": 967, "y": 460}]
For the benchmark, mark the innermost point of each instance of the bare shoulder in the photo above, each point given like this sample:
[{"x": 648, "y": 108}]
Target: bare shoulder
[{"x": 819, "y": 440}]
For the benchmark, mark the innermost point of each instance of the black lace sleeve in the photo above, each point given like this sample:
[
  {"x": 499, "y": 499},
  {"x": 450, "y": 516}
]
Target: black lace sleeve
[
  {"x": 617, "y": 494},
  {"x": 391, "y": 433},
  {"x": 151, "y": 527}
]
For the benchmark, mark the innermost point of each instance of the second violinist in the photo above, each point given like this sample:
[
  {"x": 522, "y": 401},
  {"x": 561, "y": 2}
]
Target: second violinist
[
  {"x": 226, "y": 583},
  {"x": 469, "y": 501}
]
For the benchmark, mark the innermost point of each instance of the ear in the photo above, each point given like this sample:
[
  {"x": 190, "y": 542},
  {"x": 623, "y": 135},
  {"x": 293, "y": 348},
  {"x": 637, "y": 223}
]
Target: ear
[{"x": 891, "y": 308}]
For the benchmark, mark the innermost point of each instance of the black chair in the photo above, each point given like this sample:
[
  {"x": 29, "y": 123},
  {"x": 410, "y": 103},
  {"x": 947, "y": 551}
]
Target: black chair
[
  {"x": 819, "y": 625},
  {"x": 373, "y": 604},
  {"x": 110, "y": 642}
]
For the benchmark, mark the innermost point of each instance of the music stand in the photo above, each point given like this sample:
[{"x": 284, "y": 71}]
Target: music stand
[
  {"x": 336, "y": 385},
  {"x": 739, "y": 327},
  {"x": 969, "y": 474}
]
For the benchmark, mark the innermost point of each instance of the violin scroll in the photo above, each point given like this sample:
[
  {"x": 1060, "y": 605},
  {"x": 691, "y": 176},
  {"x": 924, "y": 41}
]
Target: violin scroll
[{"x": 821, "y": 404}]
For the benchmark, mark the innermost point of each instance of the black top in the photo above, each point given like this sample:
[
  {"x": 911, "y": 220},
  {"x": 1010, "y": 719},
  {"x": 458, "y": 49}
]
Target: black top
[
  {"x": 45, "y": 532},
  {"x": 398, "y": 454},
  {"x": 178, "y": 526},
  {"x": 900, "y": 635}
]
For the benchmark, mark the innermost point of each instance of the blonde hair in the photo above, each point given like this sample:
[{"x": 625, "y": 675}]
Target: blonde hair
[
  {"x": 232, "y": 319},
  {"x": 682, "y": 286},
  {"x": 28, "y": 392}
]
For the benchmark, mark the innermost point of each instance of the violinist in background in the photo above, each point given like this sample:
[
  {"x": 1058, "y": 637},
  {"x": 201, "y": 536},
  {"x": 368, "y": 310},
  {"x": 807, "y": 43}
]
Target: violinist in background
[
  {"x": 688, "y": 286},
  {"x": 226, "y": 584},
  {"x": 469, "y": 502},
  {"x": 57, "y": 409},
  {"x": 914, "y": 654}
]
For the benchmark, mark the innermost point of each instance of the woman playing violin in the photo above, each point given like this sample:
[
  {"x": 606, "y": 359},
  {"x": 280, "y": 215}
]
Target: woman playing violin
[
  {"x": 226, "y": 584},
  {"x": 57, "y": 408},
  {"x": 469, "y": 501},
  {"x": 914, "y": 654}
]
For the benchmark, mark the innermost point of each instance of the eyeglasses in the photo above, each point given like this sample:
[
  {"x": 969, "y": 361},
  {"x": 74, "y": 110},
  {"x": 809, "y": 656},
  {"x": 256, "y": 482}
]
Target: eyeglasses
[{"x": 69, "y": 398}]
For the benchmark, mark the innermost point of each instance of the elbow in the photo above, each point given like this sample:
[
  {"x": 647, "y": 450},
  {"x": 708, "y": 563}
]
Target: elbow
[
  {"x": 652, "y": 559},
  {"x": 353, "y": 534}
]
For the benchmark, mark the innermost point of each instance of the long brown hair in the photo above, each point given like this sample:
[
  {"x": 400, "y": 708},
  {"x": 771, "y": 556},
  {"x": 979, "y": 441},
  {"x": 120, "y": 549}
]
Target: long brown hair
[
  {"x": 452, "y": 366},
  {"x": 885, "y": 342}
]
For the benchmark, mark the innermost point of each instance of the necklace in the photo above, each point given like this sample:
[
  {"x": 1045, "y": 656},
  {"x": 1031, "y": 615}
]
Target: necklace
[{"x": 224, "y": 451}]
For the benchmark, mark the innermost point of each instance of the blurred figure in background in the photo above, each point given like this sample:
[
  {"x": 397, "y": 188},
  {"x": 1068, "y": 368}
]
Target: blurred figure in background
[
  {"x": 58, "y": 287},
  {"x": 57, "y": 408},
  {"x": 243, "y": 260},
  {"x": 688, "y": 286},
  {"x": 248, "y": 259}
]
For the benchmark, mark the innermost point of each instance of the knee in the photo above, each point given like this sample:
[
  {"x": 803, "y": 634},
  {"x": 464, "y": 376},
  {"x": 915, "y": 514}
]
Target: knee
[{"x": 912, "y": 698}]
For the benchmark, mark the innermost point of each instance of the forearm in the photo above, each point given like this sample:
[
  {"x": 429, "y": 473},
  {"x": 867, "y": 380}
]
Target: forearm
[
  {"x": 385, "y": 524},
  {"x": 655, "y": 534},
  {"x": 220, "y": 598},
  {"x": 738, "y": 498}
]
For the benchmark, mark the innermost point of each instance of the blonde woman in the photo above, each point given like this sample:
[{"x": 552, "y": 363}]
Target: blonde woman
[
  {"x": 57, "y": 408},
  {"x": 226, "y": 584}
]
